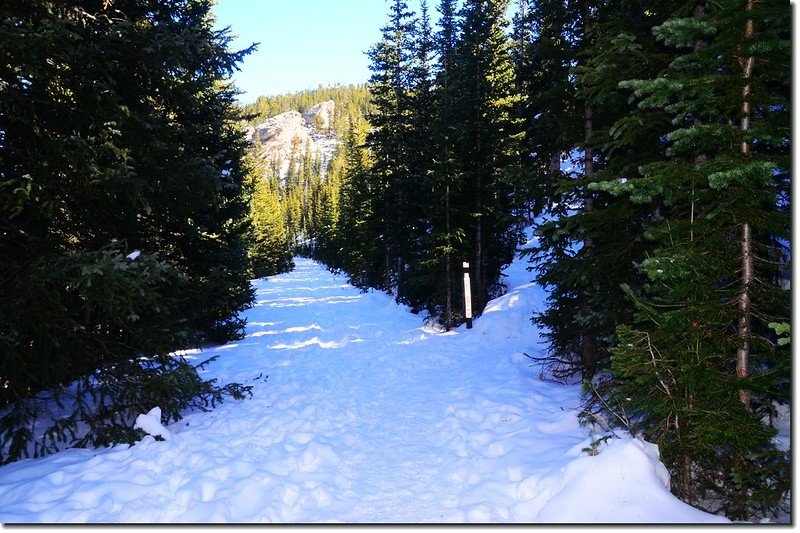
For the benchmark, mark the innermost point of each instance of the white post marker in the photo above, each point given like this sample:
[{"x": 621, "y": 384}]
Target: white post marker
[{"x": 467, "y": 296}]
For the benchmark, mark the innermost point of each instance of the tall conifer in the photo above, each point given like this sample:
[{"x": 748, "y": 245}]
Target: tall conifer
[
  {"x": 723, "y": 180},
  {"x": 487, "y": 145},
  {"x": 391, "y": 66},
  {"x": 123, "y": 218}
]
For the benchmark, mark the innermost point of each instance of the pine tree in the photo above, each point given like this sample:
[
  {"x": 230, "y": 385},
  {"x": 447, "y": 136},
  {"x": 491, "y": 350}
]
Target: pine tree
[
  {"x": 700, "y": 370},
  {"x": 328, "y": 240},
  {"x": 391, "y": 63},
  {"x": 548, "y": 41},
  {"x": 269, "y": 252},
  {"x": 447, "y": 239},
  {"x": 488, "y": 143},
  {"x": 579, "y": 258},
  {"x": 553, "y": 135},
  {"x": 420, "y": 285},
  {"x": 123, "y": 214},
  {"x": 359, "y": 224}
]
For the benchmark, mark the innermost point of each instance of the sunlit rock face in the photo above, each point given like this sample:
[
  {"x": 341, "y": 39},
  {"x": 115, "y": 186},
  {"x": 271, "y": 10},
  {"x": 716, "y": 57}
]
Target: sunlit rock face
[
  {"x": 290, "y": 135},
  {"x": 281, "y": 135},
  {"x": 320, "y": 117}
]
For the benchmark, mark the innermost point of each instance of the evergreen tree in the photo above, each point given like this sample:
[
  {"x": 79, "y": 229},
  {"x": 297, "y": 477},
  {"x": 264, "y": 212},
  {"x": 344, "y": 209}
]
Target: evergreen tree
[
  {"x": 391, "y": 64},
  {"x": 359, "y": 220},
  {"x": 328, "y": 241},
  {"x": 123, "y": 214},
  {"x": 700, "y": 370},
  {"x": 548, "y": 41},
  {"x": 269, "y": 252},
  {"x": 420, "y": 285},
  {"x": 579, "y": 258},
  {"x": 553, "y": 135},
  {"x": 447, "y": 239},
  {"x": 487, "y": 144}
]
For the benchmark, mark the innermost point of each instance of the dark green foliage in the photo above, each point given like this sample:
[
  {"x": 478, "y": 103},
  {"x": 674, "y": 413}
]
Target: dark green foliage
[
  {"x": 440, "y": 187},
  {"x": 487, "y": 144},
  {"x": 548, "y": 41},
  {"x": 118, "y": 134},
  {"x": 646, "y": 254},
  {"x": 390, "y": 86},
  {"x": 360, "y": 253},
  {"x": 579, "y": 259},
  {"x": 698, "y": 369},
  {"x": 95, "y": 303}
]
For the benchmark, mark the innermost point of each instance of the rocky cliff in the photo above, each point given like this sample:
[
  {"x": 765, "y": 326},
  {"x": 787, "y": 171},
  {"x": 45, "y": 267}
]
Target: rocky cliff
[{"x": 291, "y": 133}]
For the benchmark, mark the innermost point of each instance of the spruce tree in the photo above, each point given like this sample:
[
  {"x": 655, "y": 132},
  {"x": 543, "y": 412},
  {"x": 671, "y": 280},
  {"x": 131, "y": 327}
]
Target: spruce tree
[
  {"x": 123, "y": 214},
  {"x": 700, "y": 370},
  {"x": 581, "y": 260},
  {"x": 359, "y": 226},
  {"x": 269, "y": 252},
  {"x": 328, "y": 241},
  {"x": 553, "y": 135},
  {"x": 391, "y": 61},
  {"x": 447, "y": 238},
  {"x": 420, "y": 285},
  {"x": 487, "y": 145}
]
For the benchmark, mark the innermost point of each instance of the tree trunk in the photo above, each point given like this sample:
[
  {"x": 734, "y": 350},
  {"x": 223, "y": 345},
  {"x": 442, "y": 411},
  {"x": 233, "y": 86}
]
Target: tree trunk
[
  {"x": 589, "y": 345},
  {"x": 387, "y": 231},
  {"x": 589, "y": 348},
  {"x": 748, "y": 275},
  {"x": 523, "y": 35},
  {"x": 480, "y": 285}
]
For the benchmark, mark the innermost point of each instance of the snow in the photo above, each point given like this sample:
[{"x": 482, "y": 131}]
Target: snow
[
  {"x": 150, "y": 423},
  {"x": 362, "y": 414}
]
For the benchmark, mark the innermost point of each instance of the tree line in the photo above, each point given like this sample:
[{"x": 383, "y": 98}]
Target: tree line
[
  {"x": 654, "y": 139},
  {"x": 351, "y": 100}
]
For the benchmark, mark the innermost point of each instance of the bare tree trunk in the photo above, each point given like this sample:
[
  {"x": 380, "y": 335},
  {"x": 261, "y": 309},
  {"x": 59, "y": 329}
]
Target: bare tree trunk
[
  {"x": 589, "y": 345},
  {"x": 523, "y": 35},
  {"x": 748, "y": 274},
  {"x": 387, "y": 249},
  {"x": 478, "y": 281},
  {"x": 555, "y": 164},
  {"x": 480, "y": 285},
  {"x": 589, "y": 348}
]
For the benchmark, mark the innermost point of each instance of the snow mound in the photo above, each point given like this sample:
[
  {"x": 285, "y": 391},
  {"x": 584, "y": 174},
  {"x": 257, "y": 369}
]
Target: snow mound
[
  {"x": 625, "y": 475},
  {"x": 150, "y": 423}
]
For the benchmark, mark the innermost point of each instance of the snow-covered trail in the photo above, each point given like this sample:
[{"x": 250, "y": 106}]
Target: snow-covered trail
[
  {"x": 406, "y": 422},
  {"x": 365, "y": 416}
]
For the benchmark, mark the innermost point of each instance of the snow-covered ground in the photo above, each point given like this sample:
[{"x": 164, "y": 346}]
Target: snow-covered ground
[{"x": 365, "y": 416}]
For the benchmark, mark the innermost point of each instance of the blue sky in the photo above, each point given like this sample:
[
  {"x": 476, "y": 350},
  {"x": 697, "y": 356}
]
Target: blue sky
[{"x": 304, "y": 43}]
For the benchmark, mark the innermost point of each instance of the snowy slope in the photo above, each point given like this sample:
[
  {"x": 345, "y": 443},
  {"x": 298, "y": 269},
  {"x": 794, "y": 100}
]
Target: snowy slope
[{"x": 366, "y": 416}]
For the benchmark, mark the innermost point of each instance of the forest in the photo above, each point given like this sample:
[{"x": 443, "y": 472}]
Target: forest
[
  {"x": 659, "y": 186},
  {"x": 648, "y": 144}
]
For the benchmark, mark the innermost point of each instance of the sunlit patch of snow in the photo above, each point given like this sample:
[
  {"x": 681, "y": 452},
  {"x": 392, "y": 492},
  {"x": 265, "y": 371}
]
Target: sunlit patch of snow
[
  {"x": 298, "y": 329},
  {"x": 310, "y": 342}
]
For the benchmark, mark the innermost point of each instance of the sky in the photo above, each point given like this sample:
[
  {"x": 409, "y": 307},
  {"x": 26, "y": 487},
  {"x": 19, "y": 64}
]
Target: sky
[{"x": 303, "y": 43}]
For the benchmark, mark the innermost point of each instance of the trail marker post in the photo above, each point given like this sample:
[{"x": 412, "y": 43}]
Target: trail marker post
[{"x": 467, "y": 297}]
